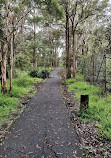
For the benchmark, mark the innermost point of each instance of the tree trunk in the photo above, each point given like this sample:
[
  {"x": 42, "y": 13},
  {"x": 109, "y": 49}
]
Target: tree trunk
[
  {"x": 84, "y": 102},
  {"x": 105, "y": 75},
  {"x": 34, "y": 53},
  {"x": 93, "y": 69},
  {"x": 55, "y": 57},
  {"x": 3, "y": 68},
  {"x": 68, "y": 68},
  {"x": 51, "y": 58},
  {"x": 76, "y": 41},
  {"x": 21, "y": 26},
  {"x": 74, "y": 55},
  {"x": 56, "y": 60},
  {"x": 0, "y": 60},
  {"x": 5, "y": 50},
  {"x": 0, "y": 50},
  {"x": 83, "y": 61},
  {"x": 11, "y": 54},
  {"x": 34, "y": 50}
]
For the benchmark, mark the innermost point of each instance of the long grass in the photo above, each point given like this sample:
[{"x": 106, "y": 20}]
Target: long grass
[
  {"x": 99, "y": 109},
  {"x": 22, "y": 85}
]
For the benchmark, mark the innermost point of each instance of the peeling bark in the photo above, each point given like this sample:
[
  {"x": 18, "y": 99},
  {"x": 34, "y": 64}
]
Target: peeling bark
[
  {"x": 5, "y": 50},
  {"x": 11, "y": 54}
]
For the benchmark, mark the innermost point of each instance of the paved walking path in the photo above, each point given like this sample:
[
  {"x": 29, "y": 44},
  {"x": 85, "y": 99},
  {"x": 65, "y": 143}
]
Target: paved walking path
[{"x": 44, "y": 129}]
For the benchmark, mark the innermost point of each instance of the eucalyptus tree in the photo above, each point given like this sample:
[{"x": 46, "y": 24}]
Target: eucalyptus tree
[
  {"x": 47, "y": 46},
  {"x": 80, "y": 11},
  {"x": 97, "y": 41},
  {"x": 16, "y": 22},
  {"x": 65, "y": 6},
  {"x": 5, "y": 47},
  {"x": 12, "y": 18},
  {"x": 1, "y": 38},
  {"x": 34, "y": 21},
  {"x": 8, "y": 22},
  {"x": 16, "y": 11},
  {"x": 56, "y": 37}
]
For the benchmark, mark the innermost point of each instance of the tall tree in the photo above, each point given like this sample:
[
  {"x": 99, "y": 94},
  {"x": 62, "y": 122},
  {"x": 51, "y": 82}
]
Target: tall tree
[
  {"x": 65, "y": 6},
  {"x": 79, "y": 12},
  {"x": 5, "y": 48},
  {"x": 68, "y": 65}
]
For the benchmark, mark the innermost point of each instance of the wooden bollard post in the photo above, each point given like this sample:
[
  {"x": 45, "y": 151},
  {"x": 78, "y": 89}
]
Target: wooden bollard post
[{"x": 84, "y": 104}]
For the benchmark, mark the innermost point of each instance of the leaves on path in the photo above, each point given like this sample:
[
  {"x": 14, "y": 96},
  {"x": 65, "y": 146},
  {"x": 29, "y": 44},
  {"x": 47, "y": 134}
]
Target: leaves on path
[
  {"x": 61, "y": 145},
  {"x": 95, "y": 146},
  {"x": 37, "y": 147}
]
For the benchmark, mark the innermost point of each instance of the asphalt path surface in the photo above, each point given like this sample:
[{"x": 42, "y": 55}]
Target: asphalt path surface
[{"x": 44, "y": 129}]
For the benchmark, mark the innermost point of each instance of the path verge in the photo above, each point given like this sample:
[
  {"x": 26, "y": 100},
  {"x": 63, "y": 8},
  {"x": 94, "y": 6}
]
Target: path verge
[
  {"x": 94, "y": 145},
  {"x": 23, "y": 102}
]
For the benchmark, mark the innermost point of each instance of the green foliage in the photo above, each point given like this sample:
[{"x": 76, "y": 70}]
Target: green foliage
[
  {"x": 7, "y": 106},
  {"x": 40, "y": 73},
  {"x": 22, "y": 85},
  {"x": 99, "y": 108},
  {"x": 69, "y": 81},
  {"x": 6, "y": 100},
  {"x": 73, "y": 80},
  {"x": 35, "y": 20},
  {"x": 22, "y": 62},
  {"x": 85, "y": 88},
  {"x": 16, "y": 10},
  {"x": 17, "y": 73},
  {"x": 53, "y": 8},
  {"x": 3, "y": 2},
  {"x": 44, "y": 74},
  {"x": 34, "y": 73}
]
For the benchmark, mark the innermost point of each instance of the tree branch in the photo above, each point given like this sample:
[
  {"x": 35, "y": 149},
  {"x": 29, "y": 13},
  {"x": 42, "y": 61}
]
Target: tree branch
[{"x": 21, "y": 19}]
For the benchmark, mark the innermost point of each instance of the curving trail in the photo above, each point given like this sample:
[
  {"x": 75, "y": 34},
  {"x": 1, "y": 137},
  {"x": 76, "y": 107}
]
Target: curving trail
[{"x": 44, "y": 129}]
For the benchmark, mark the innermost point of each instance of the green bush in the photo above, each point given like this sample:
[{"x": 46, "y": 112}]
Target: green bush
[
  {"x": 39, "y": 73},
  {"x": 17, "y": 73},
  {"x": 22, "y": 62},
  {"x": 21, "y": 86},
  {"x": 5, "y": 100},
  {"x": 34, "y": 73},
  {"x": 44, "y": 74}
]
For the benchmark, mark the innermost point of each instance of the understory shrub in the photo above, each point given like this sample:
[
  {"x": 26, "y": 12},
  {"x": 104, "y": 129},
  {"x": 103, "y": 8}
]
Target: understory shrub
[
  {"x": 34, "y": 73},
  {"x": 22, "y": 62},
  {"x": 40, "y": 73}
]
